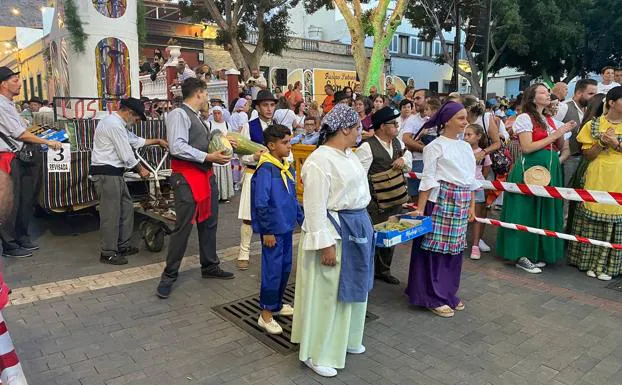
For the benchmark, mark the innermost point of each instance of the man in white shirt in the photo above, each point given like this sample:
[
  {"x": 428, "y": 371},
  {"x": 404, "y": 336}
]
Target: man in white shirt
[
  {"x": 561, "y": 91},
  {"x": 256, "y": 82},
  {"x": 608, "y": 74},
  {"x": 183, "y": 71},
  {"x": 112, "y": 155},
  {"x": 380, "y": 154},
  {"x": 413, "y": 143}
]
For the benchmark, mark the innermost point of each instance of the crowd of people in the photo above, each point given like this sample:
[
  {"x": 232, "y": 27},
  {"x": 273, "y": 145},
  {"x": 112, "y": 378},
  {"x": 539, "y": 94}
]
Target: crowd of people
[{"x": 355, "y": 179}]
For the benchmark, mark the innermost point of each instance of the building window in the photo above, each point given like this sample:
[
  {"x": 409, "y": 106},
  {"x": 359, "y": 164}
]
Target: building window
[
  {"x": 416, "y": 46},
  {"x": 393, "y": 47},
  {"x": 40, "y": 86},
  {"x": 450, "y": 50},
  {"x": 25, "y": 88},
  {"x": 437, "y": 48},
  {"x": 403, "y": 48},
  {"x": 32, "y": 86}
]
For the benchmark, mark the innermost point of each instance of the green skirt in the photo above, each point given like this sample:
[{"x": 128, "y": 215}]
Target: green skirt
[{"x": 542, "y": 213}]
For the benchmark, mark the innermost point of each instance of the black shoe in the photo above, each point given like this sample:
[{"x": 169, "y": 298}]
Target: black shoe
[
  {"x": 218, "y": 273},
  {"x": 113, "y": 259},
  {"x": 29, "y": 245},
  {"x": 388, "y": 278},
  {"x": 164, "y": 289},
  {"x": 126, "y": 252},
  {"x": 19, "y": 252}
]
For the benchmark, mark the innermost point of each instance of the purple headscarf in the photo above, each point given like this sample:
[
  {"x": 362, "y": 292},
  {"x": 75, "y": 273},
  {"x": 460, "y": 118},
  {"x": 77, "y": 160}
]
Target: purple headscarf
[{"x": 444, "y": 115}]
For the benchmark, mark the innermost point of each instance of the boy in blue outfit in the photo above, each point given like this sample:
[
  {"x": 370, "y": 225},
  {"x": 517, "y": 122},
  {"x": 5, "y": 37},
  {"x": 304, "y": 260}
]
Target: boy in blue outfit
[{"x": 275, "y": 211}]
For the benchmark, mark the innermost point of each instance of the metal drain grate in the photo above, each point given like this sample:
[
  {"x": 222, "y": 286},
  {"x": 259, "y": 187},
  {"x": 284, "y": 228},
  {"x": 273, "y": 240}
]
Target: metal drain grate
[
  {"x": 615, "y": 285},
  {"x": 244, "y": 313}
]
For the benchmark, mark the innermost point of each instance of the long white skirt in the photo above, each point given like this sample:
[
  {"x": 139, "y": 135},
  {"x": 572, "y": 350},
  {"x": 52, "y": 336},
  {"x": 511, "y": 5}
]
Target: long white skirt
[
  {"x": 244, "y": 212},
  {"x": 224, "y": 179}
]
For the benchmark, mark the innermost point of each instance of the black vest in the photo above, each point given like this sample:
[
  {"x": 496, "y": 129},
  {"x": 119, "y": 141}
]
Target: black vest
[
  {"x": 381, "y": 160},
  {"x": 573, "y": 114},
  {"x": 198, "y": 134}
]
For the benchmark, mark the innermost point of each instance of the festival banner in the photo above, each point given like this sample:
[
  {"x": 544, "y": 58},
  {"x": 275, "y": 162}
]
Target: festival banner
[{"x": 337, "y": 78}]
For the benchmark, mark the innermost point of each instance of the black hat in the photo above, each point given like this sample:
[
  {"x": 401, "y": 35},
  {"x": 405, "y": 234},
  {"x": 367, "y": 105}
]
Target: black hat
[
  {"x": 35, "y": 99},
  {"x": 6, "y": 72},
  {"x": 385, "y": 114},
  {"x": 216, "y": 100},
  {"x": 340, "y": 95},
  {"x": 264, "y": 95},
  {"x": 135, "y": 105}
]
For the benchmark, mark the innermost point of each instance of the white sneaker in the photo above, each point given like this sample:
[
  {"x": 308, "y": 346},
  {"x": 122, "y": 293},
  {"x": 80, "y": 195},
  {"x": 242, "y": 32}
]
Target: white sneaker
[
  {"x": 591, "y": 274},
  {"x": 540, "y": 264},
  {"x": 528, "y": 266},
  {"x": 323, "y": 371},
  {"x": 604, "y": 277},
  {"x": 359, "y": 350},
  {"x": 483, "y": 246},
  {"x": 287, "y": 310},
  {"x": 271, "y": 327}
]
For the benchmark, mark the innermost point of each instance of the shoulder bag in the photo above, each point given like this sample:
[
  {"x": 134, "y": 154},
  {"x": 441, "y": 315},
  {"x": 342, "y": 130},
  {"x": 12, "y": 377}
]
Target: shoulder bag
[{"x": 501, "y": 158}]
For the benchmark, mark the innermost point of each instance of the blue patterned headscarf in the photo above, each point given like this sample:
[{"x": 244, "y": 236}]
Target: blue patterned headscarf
[{"x": 340, "y": 117}]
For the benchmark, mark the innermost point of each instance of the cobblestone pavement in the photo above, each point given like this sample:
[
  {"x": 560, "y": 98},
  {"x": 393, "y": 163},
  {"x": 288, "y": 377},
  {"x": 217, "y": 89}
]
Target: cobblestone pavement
[{"x": 75, "y": 321}]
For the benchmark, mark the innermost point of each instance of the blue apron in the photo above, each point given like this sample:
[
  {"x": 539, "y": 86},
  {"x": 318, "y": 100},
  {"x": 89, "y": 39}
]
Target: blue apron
[{"x": 357, "y": 254}]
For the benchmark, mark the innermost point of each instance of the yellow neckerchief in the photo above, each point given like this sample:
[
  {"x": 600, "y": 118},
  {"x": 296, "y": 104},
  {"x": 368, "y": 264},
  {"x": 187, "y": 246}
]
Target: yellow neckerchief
[{"x": 284, "y": 167}]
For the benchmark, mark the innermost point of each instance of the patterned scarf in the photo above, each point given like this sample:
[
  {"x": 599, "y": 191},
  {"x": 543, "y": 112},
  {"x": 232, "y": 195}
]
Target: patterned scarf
[{"x": 284, "y": 167}]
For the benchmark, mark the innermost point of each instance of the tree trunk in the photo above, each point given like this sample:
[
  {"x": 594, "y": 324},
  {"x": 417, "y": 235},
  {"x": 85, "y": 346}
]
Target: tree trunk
[
  {"x": 237, "y": 56},
  {"x": 374, "y": 69}
]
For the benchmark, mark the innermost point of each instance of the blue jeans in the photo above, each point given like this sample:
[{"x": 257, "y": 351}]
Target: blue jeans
[{"x": 413, "y": 183}]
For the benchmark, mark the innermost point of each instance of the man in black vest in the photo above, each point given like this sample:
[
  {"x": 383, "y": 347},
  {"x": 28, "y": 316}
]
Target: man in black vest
[
  {"x": 380, "y": 153},
  {"x": 583, "y": 93},
  {"x": 194, "y": 183}
]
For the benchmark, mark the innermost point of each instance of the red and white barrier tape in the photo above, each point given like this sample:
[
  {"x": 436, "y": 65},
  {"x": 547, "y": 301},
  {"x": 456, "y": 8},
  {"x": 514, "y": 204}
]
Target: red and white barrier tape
[
  {"x": 11, "y": 372},
  {"x": 578, "y": 195},
  {"x": 548, "y": 233}
]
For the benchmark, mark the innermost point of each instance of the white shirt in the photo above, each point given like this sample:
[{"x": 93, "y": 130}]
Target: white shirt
[
  {"x": 188, "y": 73},
  {"x": 486, "y": 117},
  {"x": 222, "y": 127},
  {"x": 563, "y": 110},
  {"x": 285, "y": 117},
  {"x": 238, "y": 120},
  {"x": 448, "y": 160},
  {"x": 523, "y": 124},
  {"x": 402, "y": 125},
  {"x": 11, "y": 125},
  {"x": 260, "y": 83},
  {"x": 366, "y": 156},
  {"x": 46, "y": 109},
  {"x": 334, "y": 180},
  {"x": 604, "y": 88},
  {"x": 412, "y": 126},
  {"x": 113, "y": 143}
]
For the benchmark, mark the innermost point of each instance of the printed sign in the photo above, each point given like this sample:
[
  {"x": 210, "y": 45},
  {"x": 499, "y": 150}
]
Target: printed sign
[
  {"x": 60, "y": 160},
  {"x": 337, "y": 78}
]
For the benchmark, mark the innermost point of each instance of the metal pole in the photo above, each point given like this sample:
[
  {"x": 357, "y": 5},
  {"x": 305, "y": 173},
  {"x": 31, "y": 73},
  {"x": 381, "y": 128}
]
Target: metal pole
[
  {"x": 456, "y": 79},
  {"x": 486, "y": 50}
]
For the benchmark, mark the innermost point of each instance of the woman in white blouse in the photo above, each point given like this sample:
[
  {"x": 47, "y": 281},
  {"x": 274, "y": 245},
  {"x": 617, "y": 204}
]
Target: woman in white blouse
[
  {"x": 328, "y": 323},
  {"x": 540, "y": 137},
  {"x": 446, "y": 193},
  {"x": 223, "y": 173},
  {"x": 285, "y": 115}
]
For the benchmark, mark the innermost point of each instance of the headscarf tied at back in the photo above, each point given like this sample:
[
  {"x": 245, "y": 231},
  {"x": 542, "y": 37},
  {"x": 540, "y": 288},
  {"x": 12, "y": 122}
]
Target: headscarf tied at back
[
  {"x": 240, "y": 104},
  {"x": 340, "y": 117},
  {"x": 444, "y": 115}
]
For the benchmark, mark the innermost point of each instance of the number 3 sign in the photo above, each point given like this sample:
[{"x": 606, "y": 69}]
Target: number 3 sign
[{"x": 59, "y": 160}]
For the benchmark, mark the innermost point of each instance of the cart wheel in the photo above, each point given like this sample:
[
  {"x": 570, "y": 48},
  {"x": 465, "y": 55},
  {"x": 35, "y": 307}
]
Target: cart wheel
[{"x": 154, "y": 236}]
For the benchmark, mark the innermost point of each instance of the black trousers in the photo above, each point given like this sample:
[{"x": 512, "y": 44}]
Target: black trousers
[
  {"x": 383, "y": 255},
  {"x": 185, "y": 207},
  {"x": 26, "y": 180}
]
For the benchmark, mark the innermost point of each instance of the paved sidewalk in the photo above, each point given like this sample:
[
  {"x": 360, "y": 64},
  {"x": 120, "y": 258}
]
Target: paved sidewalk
[{"x": 75, "y": 321}]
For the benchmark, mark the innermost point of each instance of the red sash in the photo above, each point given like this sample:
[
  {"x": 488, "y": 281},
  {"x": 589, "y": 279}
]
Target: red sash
[
  {"x": 199, "y": 182},
  {"x": 5, "y": 161}
]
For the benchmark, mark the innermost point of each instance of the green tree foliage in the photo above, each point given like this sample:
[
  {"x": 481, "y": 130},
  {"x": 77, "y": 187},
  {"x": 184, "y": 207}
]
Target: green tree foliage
[
  {"x": 603, "y": 44},
  {"x": 265, "y": 20},
  {"x": 77, "y": 36}
]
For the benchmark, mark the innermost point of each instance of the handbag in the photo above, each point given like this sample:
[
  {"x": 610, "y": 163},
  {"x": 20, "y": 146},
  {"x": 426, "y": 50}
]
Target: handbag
[
  {"x": 389, "y": 188},
  {"x": 501, "y": 158},
  {"x": 26, "y": 154},
  {"x": 537, "y": 175}
]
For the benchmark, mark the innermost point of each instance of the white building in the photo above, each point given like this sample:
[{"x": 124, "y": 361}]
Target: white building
[{"x": 410, "y": 57}]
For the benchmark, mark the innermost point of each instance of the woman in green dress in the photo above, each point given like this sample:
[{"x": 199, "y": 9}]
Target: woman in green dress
[
  {"x": 335, "y": 267},
  {"x": 538, "y": 133}
]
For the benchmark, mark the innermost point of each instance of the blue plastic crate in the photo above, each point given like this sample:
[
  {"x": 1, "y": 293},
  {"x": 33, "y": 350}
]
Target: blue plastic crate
[{"x": 393, "y": 238}]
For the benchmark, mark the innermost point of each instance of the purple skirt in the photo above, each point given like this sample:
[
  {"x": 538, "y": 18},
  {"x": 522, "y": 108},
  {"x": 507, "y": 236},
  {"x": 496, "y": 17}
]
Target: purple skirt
[{"x": 433, "y": 278}]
